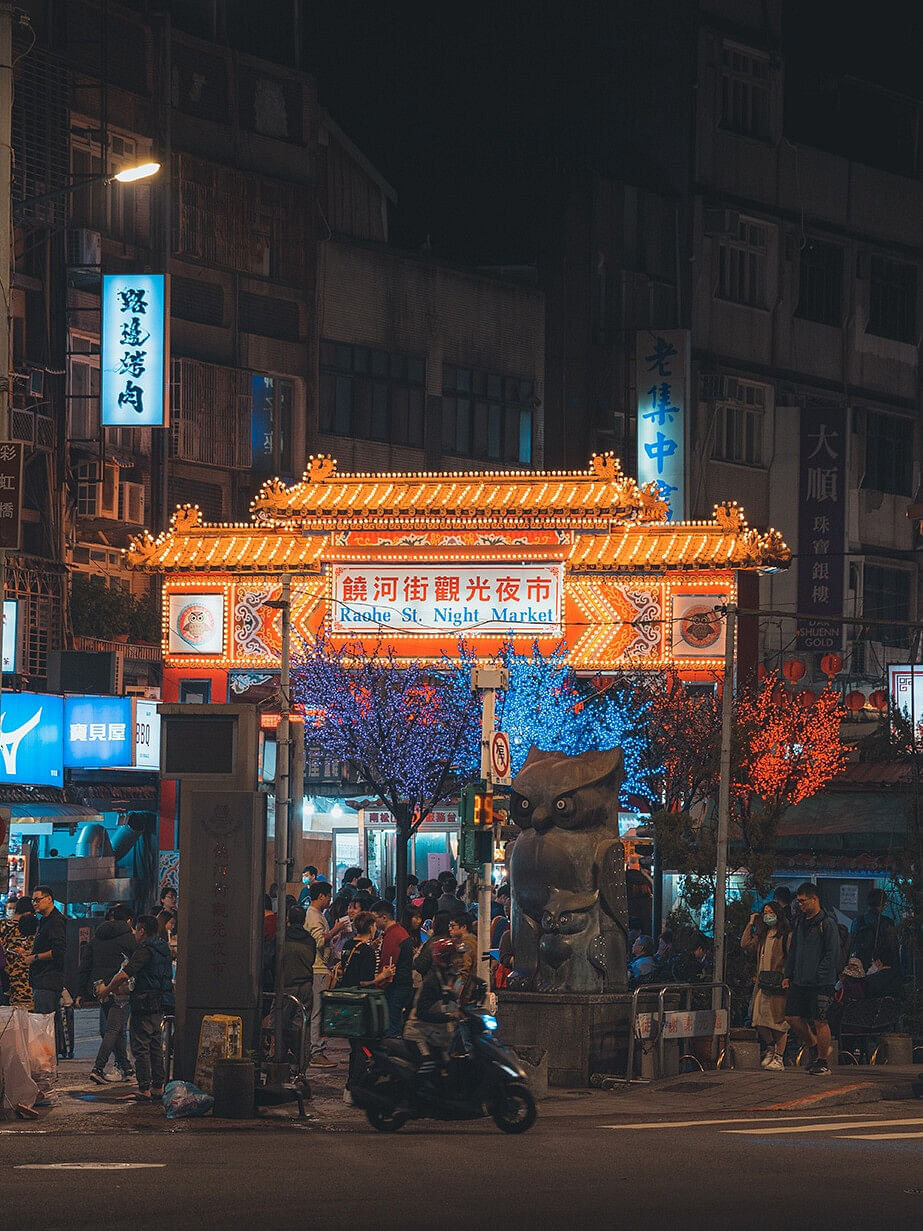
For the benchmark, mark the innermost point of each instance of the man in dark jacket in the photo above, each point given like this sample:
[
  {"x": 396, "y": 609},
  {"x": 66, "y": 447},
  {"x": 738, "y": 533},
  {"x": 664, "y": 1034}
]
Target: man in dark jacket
[
  {"x": 46, "y": 961},
  {"x": 811, "y": 970},
  {"x": 297, "y": 967},
  {"x": 100, "y": 961},
  {"x": 875, "y": 938},
  {"x": 449, "y": 900},
  {"x": 151, "y": 967}
]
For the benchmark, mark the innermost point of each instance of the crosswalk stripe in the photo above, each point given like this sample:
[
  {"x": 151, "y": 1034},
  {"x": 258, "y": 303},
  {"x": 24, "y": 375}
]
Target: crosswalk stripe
[
  {"x": 818, "y": 1128},
  {"x": 843, "y": 1115},
  {"x": 881, "y": 1136}
]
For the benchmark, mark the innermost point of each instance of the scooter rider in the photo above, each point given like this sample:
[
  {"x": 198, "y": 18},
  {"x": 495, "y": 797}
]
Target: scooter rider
[{"x": 436, "y": 1011}]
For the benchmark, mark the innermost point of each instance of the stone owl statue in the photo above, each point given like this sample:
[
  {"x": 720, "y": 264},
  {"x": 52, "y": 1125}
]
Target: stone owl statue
[{"x": 567, "y": 873}]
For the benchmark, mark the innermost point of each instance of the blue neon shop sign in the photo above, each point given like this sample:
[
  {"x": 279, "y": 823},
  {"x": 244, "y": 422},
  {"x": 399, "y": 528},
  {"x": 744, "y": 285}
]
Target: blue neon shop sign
[
  {"x": 98, "y": 732},
  {"x": 134, "y": 350},
  {"x": 31, "y": 738}
]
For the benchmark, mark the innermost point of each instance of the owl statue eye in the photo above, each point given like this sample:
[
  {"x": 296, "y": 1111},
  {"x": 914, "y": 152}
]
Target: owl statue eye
[
  {"x": 524, "y": 805},
  {"x": 561, "y": 805},
  {"x": 565, "y": 919}
]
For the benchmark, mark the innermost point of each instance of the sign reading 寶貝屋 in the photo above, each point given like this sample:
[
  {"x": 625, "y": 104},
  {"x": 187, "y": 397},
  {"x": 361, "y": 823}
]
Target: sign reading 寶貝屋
[
  {"x": 661, "y": 375},
  {"x": 430, "y": 598},
  {"x": 134, "y": 351},
  {"x": 821, "y": 526}
]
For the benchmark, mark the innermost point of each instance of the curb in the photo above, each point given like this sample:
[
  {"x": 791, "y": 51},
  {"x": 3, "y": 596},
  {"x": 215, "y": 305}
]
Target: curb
[{"x": 841, "y": 1096}]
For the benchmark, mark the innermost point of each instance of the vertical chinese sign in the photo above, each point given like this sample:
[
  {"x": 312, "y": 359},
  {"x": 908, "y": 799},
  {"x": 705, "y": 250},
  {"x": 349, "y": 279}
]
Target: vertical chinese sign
[
  {"x": 135, "y": 351},
  {"x": 821, "y": 526},
  {"x": 661, "y": 376},
  {"x": 10, "y": 496}
]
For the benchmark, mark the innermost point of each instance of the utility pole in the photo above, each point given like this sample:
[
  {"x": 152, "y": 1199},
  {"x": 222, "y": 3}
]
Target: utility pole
[
  {"x": 6, "y": 233},
  {"x": 488, "y": 681},
  {"x": 282, "y": 802},
  {"x": 724, "y": 790}
]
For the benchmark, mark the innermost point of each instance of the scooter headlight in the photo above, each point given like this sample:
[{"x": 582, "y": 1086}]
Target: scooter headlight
[{"x": 490, "y": 1022}]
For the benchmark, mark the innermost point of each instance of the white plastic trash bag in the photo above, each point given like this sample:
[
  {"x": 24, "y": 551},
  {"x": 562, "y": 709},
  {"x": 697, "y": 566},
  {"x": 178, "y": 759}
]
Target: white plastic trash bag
[
  {"x": 19, "y": 1088},
  {"x": 43, "y": 1055}
]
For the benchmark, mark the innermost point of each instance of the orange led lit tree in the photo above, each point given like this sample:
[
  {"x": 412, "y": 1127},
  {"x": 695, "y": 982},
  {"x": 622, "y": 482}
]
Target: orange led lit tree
[{"x": 783, "y": 751}]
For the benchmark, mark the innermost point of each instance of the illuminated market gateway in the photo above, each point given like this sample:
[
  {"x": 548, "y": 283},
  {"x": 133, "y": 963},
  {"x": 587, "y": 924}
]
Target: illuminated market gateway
[{"x": 417, "y": 560}]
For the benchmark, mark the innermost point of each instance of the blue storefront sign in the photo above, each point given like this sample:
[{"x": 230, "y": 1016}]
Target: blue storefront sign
[
  {"x": 98, "y": 732},
  {"x": 135, "y": 350},
  {"x": 661, "y": 375},
  {"x": 31, "y": 738}
]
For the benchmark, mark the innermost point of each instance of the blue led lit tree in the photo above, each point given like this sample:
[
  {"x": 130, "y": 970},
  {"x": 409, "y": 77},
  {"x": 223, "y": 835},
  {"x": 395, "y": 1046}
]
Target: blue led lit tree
[
  {"x": 399, "y": 725},
  {"x": 547, "y": 705}
]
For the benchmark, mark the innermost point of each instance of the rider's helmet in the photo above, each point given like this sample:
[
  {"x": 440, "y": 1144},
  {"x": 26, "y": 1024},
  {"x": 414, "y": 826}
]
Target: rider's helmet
[{"x": 446, "y": 951}]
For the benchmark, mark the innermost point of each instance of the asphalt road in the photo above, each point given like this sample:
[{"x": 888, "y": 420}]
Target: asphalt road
[{"x": 848, "y": 1170}]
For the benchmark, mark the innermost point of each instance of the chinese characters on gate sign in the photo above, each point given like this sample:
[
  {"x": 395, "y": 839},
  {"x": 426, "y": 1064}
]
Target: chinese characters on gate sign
[
  {"x": 821, "y": 526},
  {"x": 133, "y": 350},
  {"x": 660, "y": 372},
  {"x": 428, "y": 598}
]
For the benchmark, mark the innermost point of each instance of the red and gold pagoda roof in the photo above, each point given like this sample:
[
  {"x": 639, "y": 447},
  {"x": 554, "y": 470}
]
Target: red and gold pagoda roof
[{"x": 597, "y": 520}]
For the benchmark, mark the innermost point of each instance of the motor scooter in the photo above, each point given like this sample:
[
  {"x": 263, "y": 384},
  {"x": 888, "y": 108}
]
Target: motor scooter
[{"x": 483, "y": 1077}]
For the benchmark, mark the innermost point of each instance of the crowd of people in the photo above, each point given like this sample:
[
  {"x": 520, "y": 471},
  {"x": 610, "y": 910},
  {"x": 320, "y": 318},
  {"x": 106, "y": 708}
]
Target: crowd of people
[{"x": 354, "y": 937}]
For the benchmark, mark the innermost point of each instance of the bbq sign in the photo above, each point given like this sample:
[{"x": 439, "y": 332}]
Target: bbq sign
[{"x": 436, "y": 598}]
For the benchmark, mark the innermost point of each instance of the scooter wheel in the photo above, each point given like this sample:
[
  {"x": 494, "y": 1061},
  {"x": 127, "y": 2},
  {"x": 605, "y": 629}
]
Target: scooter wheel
[
  {"x": 514, "y": 1110},
  {"x": 385, "y": 1121}
]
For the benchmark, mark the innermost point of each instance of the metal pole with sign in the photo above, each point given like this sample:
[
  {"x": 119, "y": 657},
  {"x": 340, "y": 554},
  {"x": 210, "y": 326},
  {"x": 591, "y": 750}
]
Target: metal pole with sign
[
  {"x": 724, "y": 790},
  {"x": 487, "y": 681}
]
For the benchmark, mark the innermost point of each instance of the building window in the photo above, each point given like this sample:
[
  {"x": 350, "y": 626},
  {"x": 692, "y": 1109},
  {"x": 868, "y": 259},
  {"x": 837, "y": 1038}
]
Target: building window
[
  {"x": 83, "y": 387},
  {"x": 121, "y": 211},
  {"x": 742, "y": 264},
  {"x": 739, "y": 426},
  {"x": 372, "y": 394},
  {"x": 487, "y": 416},
  {"x": 888, "y": 453},
  {"x": 744, "y": 92},
  {"x": 886, "y": 596},
  {"x": 820, "y": 296},
  {"x": 892, "y": 299},
  {"x": 271, "y": 417}
]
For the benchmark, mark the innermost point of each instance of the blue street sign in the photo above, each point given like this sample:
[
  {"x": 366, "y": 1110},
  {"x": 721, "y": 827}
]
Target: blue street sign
[{"x": 31, "y": 738}]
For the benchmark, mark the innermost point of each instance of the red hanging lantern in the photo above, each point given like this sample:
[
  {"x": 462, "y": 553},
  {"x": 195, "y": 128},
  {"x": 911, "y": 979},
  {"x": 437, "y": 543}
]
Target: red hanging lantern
[
  {"x": 779, "y": 696},
  {"x": 831, "y": 665},
  {"x": 879, "y": 698},
  {"x": 855, "y": 701},
  {"x": 806, "y": 698},
  {"x": 793, "y": 670}
]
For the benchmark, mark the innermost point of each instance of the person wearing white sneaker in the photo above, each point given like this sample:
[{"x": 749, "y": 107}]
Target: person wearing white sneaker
[{"x": 769, "y": 934}]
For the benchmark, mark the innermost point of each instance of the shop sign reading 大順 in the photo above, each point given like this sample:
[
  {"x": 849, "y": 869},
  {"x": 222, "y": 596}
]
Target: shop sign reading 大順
[{"x": 433, "y": 598}]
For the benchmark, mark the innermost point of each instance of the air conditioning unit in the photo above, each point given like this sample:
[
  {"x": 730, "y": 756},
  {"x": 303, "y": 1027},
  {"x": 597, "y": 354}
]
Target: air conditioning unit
[
  {"x": 146, "y": 692},
  {"x": 721, "y": 222},
  {"x": 131, "y": 503},
  {"x": 719, "y": 388},
  {"x": 84, "y": 249}
]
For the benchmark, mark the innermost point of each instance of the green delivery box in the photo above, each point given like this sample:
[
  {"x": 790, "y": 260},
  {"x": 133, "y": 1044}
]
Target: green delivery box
[{"x": 354, "y": 1013}]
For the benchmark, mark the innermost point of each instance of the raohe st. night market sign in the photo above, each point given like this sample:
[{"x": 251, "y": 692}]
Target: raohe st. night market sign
[{"x": 415, "y": 561}]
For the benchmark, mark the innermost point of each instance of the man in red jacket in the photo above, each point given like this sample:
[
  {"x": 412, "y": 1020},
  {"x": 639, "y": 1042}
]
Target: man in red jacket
[{"x": 396, "y": 957}]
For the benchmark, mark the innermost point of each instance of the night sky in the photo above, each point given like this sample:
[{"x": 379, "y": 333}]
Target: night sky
[{"x": 466, "y": 107}]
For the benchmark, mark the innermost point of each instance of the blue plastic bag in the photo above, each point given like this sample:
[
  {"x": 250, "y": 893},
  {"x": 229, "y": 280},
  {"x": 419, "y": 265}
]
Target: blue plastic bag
[{"x": 182, "y": 1098}]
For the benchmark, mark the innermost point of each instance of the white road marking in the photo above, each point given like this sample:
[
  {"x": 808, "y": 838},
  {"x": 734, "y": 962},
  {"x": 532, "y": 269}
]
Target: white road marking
[
  {"x": 85, "y": 1166},
  {"x": 818, "y": 1128},
  {"x": 843, "y": 1115},
  {"x": 881, "y": 1136}
]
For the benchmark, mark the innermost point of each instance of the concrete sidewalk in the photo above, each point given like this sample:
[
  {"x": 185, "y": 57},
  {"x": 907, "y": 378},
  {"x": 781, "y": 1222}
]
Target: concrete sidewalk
[{"x": 79, "y": 1106}]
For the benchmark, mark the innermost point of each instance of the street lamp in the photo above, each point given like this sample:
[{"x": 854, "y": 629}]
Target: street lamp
[{"x": 128, "y": 175}]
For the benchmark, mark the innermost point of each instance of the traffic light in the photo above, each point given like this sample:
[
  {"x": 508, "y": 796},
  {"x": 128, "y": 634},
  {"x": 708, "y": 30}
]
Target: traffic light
[{"x": 477, "y": 825}]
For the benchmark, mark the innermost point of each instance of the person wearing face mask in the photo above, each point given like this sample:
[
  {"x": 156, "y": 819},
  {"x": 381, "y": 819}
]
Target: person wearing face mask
[{"x": 769, "y": 934}]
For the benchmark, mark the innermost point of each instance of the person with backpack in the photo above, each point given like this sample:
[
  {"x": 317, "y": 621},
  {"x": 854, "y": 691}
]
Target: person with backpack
[
  {"x": 151, "y": 968},
  {"x": 769, "y": 934},
  {"x": 811, "y": 971},
  {"x": 875, "y": 938}
]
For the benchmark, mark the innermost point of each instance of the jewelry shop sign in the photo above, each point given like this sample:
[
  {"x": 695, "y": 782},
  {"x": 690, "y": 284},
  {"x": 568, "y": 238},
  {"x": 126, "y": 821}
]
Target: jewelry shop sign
[{"x": 426, "y": 599}]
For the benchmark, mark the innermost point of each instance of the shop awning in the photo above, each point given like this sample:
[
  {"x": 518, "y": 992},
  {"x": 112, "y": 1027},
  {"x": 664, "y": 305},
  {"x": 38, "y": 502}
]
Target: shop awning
[
  {"x": 24, "y": 817},
  {"x": 882, "y": 815}
]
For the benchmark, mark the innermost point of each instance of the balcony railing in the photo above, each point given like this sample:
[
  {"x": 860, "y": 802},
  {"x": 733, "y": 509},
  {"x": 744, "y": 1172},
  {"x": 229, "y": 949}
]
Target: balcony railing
[{"x": 132, "y": 651}]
